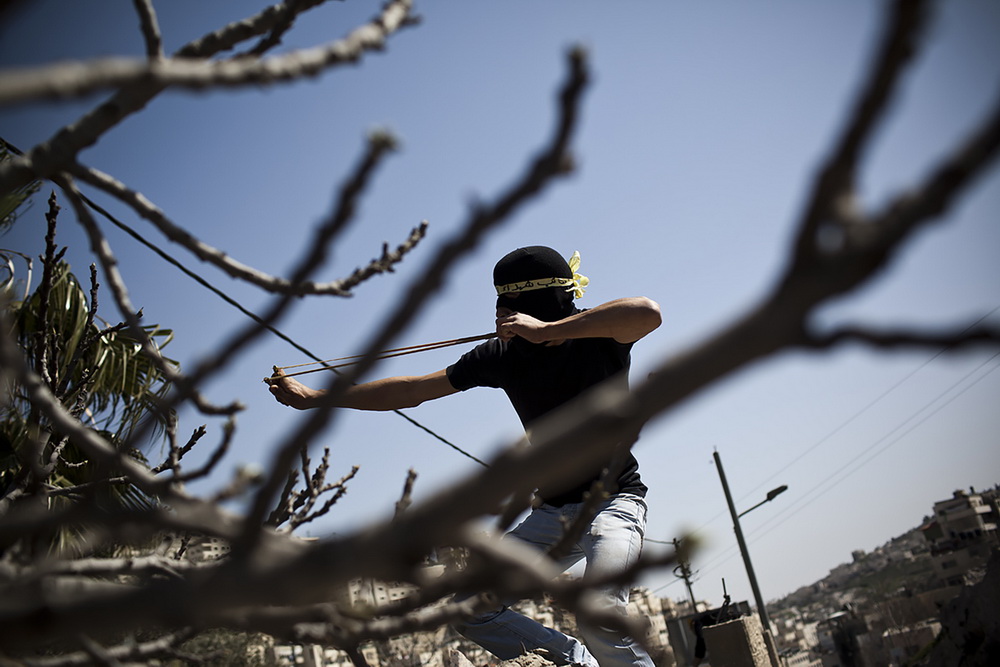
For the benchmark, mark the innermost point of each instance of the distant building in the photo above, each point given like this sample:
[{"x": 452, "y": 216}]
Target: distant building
[
  {"x": 838, "y": 639},
  {"x": 310, "y": 655},
  {"x": 902, "y": 644},
  {"x": 192, "y": 548},
  {"x": 370, "y": 594},
  {"x": 802, "y": 658},
  {"x": 962, "y": 533},
  {"x": 966, "y": 516},
  {"x": 792, "y": 633}
]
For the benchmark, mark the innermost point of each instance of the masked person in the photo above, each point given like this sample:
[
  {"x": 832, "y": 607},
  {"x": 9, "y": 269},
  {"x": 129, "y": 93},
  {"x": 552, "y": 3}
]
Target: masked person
[{"x": 546, "y": 353}]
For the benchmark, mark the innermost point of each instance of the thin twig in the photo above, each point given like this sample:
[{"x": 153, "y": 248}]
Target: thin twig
[
  {"x": 407, "y": 498},
  {"x": 228, "y": 429},
  {"x": 56, "y": 154},
  {"x": 119, "y": 292},
  {"x": 150, "y": 29},
  {"x": 902, "y": 338},
  {"x": 70, "y": 80},
  {"x": 551, "y": 163}
]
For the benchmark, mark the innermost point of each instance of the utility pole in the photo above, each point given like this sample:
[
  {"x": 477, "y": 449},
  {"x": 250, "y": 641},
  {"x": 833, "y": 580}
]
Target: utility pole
[
  {"x": 685, "y": 573},
  {"x": 761, "y": 609}
]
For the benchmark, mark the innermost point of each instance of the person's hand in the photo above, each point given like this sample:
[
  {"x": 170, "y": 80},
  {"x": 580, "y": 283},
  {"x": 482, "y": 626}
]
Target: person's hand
[
  {"x": 289, "y": 391},
  {"x": 510, "y": 324}
]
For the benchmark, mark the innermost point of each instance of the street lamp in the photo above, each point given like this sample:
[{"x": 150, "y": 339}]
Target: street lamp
[{"x": 771, "y": 495}]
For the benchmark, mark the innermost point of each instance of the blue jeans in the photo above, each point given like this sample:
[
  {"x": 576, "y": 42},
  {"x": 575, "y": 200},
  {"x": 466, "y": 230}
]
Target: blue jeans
[{"x": 610, "y": 544}]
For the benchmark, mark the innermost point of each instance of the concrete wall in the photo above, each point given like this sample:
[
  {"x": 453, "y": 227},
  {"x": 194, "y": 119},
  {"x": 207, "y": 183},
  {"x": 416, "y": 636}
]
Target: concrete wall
[{"x": 738, "y": 643}]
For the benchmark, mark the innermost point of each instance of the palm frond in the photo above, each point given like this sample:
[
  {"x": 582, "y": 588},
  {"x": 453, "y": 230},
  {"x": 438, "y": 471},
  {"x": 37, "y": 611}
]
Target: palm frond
[
  {"x": 124, "y": 385},
  {"x": 16, "y": 202}
]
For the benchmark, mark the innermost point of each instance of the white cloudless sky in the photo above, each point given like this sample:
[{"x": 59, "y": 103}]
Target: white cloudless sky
[{"x": 700, "y": 136}]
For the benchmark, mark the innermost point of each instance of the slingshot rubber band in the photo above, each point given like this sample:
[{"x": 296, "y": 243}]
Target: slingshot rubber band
[{"x": 384, "y": 354}]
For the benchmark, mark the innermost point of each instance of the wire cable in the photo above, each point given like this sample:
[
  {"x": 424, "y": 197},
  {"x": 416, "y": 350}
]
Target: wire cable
[
  {"x": 784, "y": 515},
  {"x": 867, "y": 407},
  {"x": 871, "y": 452},
  {"x": 871, "y": 404},
  {"x": 253, "y": 316},
  {"x": 231, "y": 301}
]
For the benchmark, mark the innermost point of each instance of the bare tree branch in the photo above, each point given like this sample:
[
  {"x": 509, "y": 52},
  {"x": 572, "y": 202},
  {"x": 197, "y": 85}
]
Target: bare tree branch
[
  {"x": 150, "y": 29},
  {"x": 73, "y": 79},
  {"x": 952, "y": 176},
  {"x": 838, "y": 247},
  {"x": 119, "y": 291},
  {"x": 44, "y": 343},
  {"x": 145, "y": 566},
  {"x": 242, "y": 481},
  {"x": 888, "y": 339},
  {"x": 313, "y": 258},
  {"x": 228, "y": 429},
  {"x": 551, "y": 163},
  {"x": 177, "y": 453},
  {"x": 834, "y": 188},
  {"x": 288, "y": 12},
  {"x": 184, "y": 238},
  {"x": 297, "y": 508},
  {"x": 388, "y": 260},
  {"x": 56, "y": 154},
  {"x": 407, "y": 498},
  {"x": 308, "y": 514},
  {"x": 129, "y": 651},
  {"x": 276, "y": 583}
]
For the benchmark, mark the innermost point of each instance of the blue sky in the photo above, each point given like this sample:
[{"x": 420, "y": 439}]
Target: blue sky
[{"x": 701, "y": 134}]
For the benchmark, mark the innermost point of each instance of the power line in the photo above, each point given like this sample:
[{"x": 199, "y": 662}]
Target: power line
[
  {"x": 253, "y": 316},
  {"x": 729, "y": 552},
  {"x": 784, "y": 515},
  {"x": 798, "y": 507},
  {"x": 867, "y": 407},
  {"x": 231, "y": 301},
  {"x": 871, "y": 404}
]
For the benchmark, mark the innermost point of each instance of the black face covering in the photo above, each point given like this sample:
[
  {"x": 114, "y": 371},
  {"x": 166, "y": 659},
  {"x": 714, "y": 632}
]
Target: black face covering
[
  {"x": 531, "y": 263},
  {"x": 547, "y": 305}
]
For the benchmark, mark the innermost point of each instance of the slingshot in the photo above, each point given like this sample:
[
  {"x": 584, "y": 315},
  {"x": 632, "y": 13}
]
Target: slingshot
[{"x": 341, "y": 362}]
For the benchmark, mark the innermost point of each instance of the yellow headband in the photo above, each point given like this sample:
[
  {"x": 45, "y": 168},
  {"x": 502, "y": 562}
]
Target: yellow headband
[{"x": 577, "y": 284}]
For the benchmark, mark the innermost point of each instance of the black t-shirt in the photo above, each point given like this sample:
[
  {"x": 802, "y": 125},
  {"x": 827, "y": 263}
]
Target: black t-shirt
[{"x": 539, "y": 378}]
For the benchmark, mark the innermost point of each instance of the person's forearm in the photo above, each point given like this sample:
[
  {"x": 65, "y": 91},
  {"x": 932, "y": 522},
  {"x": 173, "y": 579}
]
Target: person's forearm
[
  {"x": 393, "y": 393},
  {"x": 386, "y": 394},
  {"x": 626, "y": 320}
]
